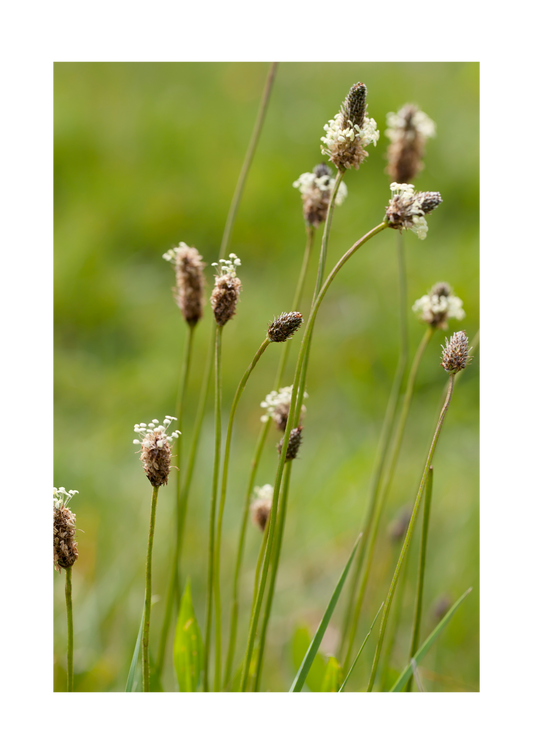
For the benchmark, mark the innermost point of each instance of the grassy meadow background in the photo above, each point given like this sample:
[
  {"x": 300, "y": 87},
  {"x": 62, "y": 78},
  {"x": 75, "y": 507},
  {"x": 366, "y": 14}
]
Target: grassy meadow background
[{"x": 148, "y": 155}]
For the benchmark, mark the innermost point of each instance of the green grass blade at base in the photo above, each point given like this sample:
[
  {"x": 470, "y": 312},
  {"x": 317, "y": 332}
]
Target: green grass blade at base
[
  {"x": 426, "y": 646},
  {"x": 332, "y": 676},
  {"x": 188, "y": 645},
  {"x": 321, "y": 630},
  {"x": 348, "y": 674},
  {"x": 135, "y": 658}
]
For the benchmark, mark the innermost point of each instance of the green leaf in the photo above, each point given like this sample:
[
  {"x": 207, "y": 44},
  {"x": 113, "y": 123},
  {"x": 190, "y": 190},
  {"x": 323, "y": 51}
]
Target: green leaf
[
  {"x": 348, "y": 674},
  {"x": 135, "y": 658},
  {"x": 332, "y": 676},
  {"x": 407, "y": 673},
  {"x": 300, "y": 644},
  {"x": 321, "y": 630},
  {"x": 188, "y": 645}
]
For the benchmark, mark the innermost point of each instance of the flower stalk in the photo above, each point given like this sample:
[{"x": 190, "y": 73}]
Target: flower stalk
[
  {"x": 70, "y": 629},
  {"x": 148, "y": 594}
]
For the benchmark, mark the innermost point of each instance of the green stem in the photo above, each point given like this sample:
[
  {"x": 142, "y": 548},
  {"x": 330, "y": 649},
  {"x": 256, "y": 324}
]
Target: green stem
[
  {"x": 255, "y": 463},
  {"x": 174, "y": 587},
  {"x": 385, "y": 489},
  {"x": 70, "y": 629},
  {"x": 273, "y": 571},
  {"x": 421, "y": 571},
  {"x": 409, "y": 534},
  {"x": 260, "y": 559},
  {"x": 148, "y": 593},
  {"x": 384, "y": 439},
  {"x": 247, "y": 160},
  {"x": 212, "y": 511},
  {"x": 393, "y": 630},
  {"x": 290, "y": 423},
  {"x": 223, "y": 487}
]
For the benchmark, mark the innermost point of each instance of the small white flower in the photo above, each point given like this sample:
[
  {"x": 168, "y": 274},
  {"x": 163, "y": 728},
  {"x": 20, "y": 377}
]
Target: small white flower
[
  {"x": 172, "y": 254},
  {"x": 438, "y": 306},
  {"x": 227, "y": 267},
  {"x": 398, "y": 124},
  {"x": 62, "y": 497}
]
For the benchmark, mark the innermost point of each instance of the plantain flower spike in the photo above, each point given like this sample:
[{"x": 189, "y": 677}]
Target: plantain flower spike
[
  {"x": 315, "y": 189},
  {"x": 155, "y": 449},
  {"x": 350, "y": 131},
  {"x": 408, "y": 208},
  {"x": 190, "y": 282},
  {"x": 438, "y": 306},
  {"x": 408, "y": 130},
  {"x": 284, "y": 327},
  {"x": 456, "y": 354},
  {"x": 227, "y": 289},
  {"x": 295, "y": 440},
  {"x": 262, "y": 505},
  {"x": 277, "y": 404},
  {"x": 65, "y": 546}
]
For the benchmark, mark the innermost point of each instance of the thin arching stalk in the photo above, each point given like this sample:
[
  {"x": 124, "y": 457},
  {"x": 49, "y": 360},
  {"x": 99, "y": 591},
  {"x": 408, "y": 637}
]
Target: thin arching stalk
[
  {"x": 70, "y": 629},
  {"x": 148, "y": 594}
]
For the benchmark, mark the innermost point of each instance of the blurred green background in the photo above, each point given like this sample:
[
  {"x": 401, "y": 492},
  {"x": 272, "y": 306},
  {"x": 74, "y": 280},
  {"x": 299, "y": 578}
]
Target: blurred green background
[{"x": 148, "y": 155}]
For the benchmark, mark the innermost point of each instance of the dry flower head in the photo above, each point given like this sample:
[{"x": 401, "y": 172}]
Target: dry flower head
[
  {"x": 262, "y": 505},
  {"x": 456, "y": 354},
  {"x": 277, "y": 404},
  {"x": 65, "y": 546},
  {"x": 408, "y": 130},
  {"x": 350, "y": 131},
  {"x": 316, "y": 190},
  {"x": 438, "y": 306},
  {"x": 155, "y": 449},
  {"x": 190, "y": 282},
  {"x": 408, "y": 208},
  {"x": 227, "y": 289}
]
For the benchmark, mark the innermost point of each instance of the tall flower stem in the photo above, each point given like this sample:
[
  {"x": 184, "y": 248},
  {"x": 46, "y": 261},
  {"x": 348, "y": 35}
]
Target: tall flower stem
[
  {"x": 273, "y": 571},
  {"x": 70, "y": 629},
  {"x": 384, "y": 439},
  {"x": 212, "y": 510},
  {"x": 255, "y": 463},
  {"x": 148, "y": 594},
  {"x": 385, "y": 489},
  {"x": 173, "y": 593},
  {"x": 409, "y": 534},
  {"x": 290, "y": 423},
  {"x": 248, "y": 160},
  {"x": 223, "y": 487},
  {"x": 421, "y": 571}
]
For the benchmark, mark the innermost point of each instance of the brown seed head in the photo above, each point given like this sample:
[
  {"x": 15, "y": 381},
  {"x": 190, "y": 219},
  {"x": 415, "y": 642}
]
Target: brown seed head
[
  {"x": 155, "y": 449},
  {"x": 455, "y": 354},
  {"x": 295, "y": 440},
  {"x": 408, "y": 131},
  {"x": 226, "y": 291},
  {"x": 65, "y": 546},
  {"x": 354, "y": 106},
  {"x": 407, "y": 208},
  {"x": 350, "y": 131},
  {"x": 190, "y": 281},
  {"x": 284, "y": 327}
]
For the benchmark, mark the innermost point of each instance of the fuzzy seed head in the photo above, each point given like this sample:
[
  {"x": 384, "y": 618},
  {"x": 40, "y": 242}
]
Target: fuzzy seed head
[
  {"x": 408, "y": 208},
  {"x": 155, "y": 449},
  {"x": 190, "y": 281},
  {"x": 277, "y": 404},
  {"x": 227, "y": 289},
  {"x": 262, "y": 505},
  {"x": 455, "y": 354},
  {"x": 316, "y": 190},
  {"x": 284, "y": 327},
  {"x": 295, "y": 440},
  {"x": 65, "y": 546},
  {"x": 407, "y": 130},
  {"x": 350, "y": 131},
  {"x": 438, "y": 306}
]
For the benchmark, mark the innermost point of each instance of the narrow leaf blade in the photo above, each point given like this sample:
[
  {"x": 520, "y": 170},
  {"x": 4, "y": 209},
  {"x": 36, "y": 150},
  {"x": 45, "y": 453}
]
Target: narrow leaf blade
[
  {"x": 188, "y": 645},
  {"x": 348, "y": 674},
  {"x": 321, "y": 630},
  {"x": 300, "y": 644},
  {"x": 332, "y": 676},
  {"x": 135, "y": 658},
  {"x": 426, "y": 646}
]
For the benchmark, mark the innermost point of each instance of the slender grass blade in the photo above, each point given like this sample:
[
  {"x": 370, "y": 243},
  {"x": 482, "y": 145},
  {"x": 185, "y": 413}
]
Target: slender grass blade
[
  {"x": 188, "y": 645},
  {"x": 348, "y": 674},
  {"x": 135, "y": 658}
]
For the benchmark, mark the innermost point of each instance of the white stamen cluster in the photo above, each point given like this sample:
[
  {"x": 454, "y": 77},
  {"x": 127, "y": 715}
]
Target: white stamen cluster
[
  {"x": 262, "y": 505},
  {"x": 62, "y": 497},
  {"x": 156, "y": 432},
  {"x": 407, "y": 208},
  {"x": 227, "y": 267},
  {"x": 335, "y": 133},
  {"x": 402, "y": 127},
  {"x": 277, "y": 404},
  {"x": 172, "y": 254}
]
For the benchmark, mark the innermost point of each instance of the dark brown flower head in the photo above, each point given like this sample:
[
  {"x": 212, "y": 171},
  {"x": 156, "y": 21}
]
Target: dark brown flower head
[
  {"x": 190, "y": 282},
  {"x": 295, "y": 440},
  {"x": 322, "y": 169},
  {"x": 350, "y": 131},
  {"x": 65, "y": 546},
  {"x": 408, "y": 130},
  {"x": 284, "y": 327},
  {"x": 226, "y": 291},
  {"x": 407, "y": 208},
  {"x": 455, "y": 354},
  {"x": 155, "y": 449},
  {"x": 400, "y": 524},
  {"x": 353, "y": 108}
]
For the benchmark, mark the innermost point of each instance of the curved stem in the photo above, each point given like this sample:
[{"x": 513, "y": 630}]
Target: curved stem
[
  {"x": 70, "y": 629},
  {"x": 212, "y": 510},
  {"x": 148, "y": 593},
  {"x": 223, "y": 487},
  {"x": 409, "y": 534},
  {"x": 290, "y": 423}
]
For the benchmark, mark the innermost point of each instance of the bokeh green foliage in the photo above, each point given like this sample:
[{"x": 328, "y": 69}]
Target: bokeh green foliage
[{"x": 147, "y": 155}]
